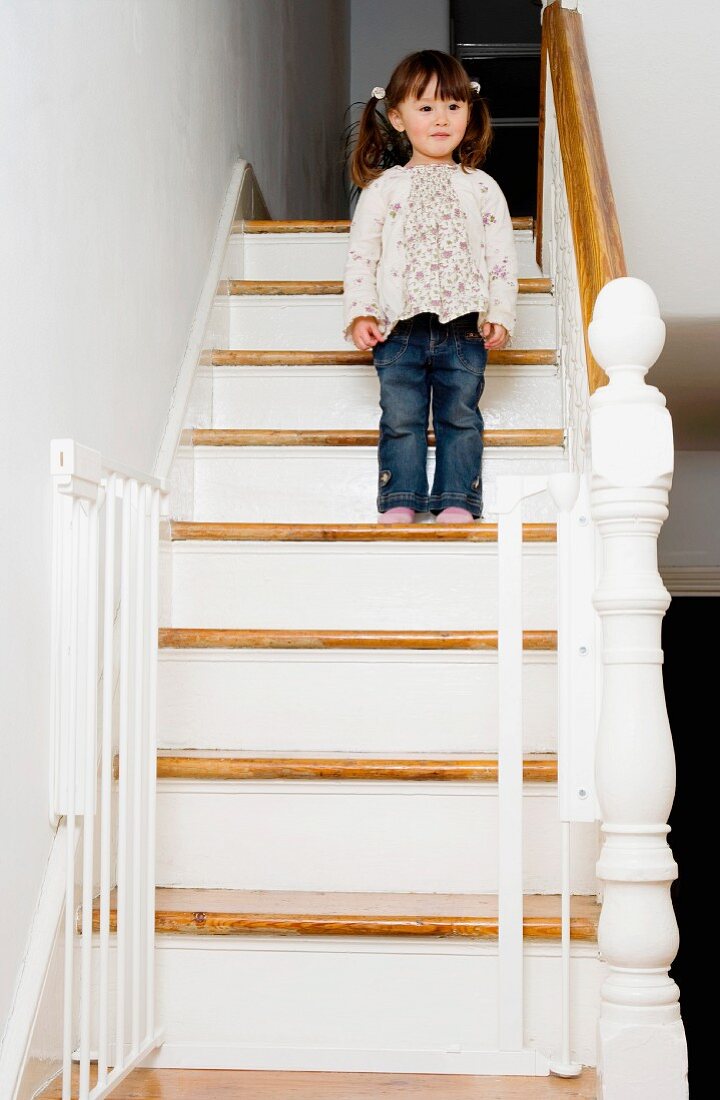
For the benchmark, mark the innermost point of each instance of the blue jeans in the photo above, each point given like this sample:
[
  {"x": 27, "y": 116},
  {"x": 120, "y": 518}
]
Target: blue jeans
[{"x": 421, "y": 355}]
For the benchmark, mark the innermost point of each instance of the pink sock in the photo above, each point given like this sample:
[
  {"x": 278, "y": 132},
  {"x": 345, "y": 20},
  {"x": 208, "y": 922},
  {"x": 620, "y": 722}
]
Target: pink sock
[
  {"x": 397, "y": 515},
  {"x": 455, "y": 515}
]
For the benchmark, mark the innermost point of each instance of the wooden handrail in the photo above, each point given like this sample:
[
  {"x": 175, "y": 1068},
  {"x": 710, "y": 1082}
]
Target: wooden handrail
[{"x": 596, "y": 232}]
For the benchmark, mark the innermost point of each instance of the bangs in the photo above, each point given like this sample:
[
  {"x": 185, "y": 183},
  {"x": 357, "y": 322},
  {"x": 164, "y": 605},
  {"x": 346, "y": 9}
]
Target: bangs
[{"x": 452, "y": 80}]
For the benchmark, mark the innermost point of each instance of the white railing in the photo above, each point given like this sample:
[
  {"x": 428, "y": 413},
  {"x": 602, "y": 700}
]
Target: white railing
[
  {"x": 559, "y": 255},
  {"x": 641, "y": 1040},
  {"x": 578, "y": 687},
  {"x": 611, "y": 601},
  {"x": 619, "y": 441},
  {"x": 576, "y": 738},
  {"x": 106, "y": 523}
]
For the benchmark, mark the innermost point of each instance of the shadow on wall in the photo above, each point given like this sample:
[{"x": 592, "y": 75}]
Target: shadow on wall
[{"x": 688, "y": 373}]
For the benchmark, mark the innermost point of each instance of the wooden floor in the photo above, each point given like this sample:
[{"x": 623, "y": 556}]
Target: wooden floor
[{"x": 223, "y": 1084}]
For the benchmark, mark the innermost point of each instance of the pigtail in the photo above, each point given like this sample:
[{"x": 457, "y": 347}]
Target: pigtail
[
  {"x": 369, "y": 152},
  {"x": 473, "y": 148}
]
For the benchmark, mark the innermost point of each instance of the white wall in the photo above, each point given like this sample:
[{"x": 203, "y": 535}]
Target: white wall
[
  {"x": 657, "y": 82},
  {"x": 121, "y": 121},
  {"x": 691, "y": 535},
  {"x": 384, "y": 31},
  {"x": 655, "y": 69}
]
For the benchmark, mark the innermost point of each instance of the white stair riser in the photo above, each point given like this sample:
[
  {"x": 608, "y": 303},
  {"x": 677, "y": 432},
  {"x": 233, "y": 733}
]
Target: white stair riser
[
  {"x": 349, "y": 397},
  {"x": 353, "y": 586},
  {"x": 345, "y": 701},
  {"x": 315, "y": 322},
  {"x": 319, "y": 255},
  {"x": 333, "y": 484},
  {"x": 355, "y": 1004},
  {"x": 351, "y": 835}
]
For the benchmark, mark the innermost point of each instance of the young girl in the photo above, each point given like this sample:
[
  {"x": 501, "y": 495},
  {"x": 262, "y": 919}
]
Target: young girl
[{"x": 430, "y": 283}]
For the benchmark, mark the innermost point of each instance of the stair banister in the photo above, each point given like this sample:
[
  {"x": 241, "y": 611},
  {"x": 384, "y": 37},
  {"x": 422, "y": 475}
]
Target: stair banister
[
  {"x": 590, "y": 241},
  {"x": 620, "y": 440},
  {"x": 642, "y": 1052}
]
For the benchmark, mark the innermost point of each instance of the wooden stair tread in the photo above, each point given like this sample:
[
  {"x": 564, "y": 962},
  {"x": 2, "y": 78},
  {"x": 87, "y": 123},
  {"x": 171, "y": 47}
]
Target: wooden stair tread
[
  {"x": 244, "y": 358},
  {"x": 310, "y": 912},
  {"x": 195, "y": 638},
  {"x": 310, "y": 225},
  {"x": 224, "y": 765},
  {"x": 292, "y": 225},
  {"x": 365, "y": 437},
  {"x": 533, "y": 285},
  {"x": 188, "y": 531}
]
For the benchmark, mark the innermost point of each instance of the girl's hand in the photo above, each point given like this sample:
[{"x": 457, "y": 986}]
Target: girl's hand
[
  {"x": 366, "y": 333},
  {"x": 496, "y": 336}
]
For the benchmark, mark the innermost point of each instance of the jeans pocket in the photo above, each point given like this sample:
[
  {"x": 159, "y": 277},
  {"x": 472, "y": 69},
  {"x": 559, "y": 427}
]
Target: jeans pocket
[
  {"x": 471, "y": 351},
  {"x": 388, "y": 351}
]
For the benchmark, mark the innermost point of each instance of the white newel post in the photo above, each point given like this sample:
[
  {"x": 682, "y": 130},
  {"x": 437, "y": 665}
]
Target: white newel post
[{"x": 642, "y": 1053}]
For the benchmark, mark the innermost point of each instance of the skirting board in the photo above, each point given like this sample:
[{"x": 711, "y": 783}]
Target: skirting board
[
  {"x": 691, "y": 580},
  {"x": 31, "y": 1051},
  {"x": 523, "y": 1063},
  {"x": 243, "y": 199}
]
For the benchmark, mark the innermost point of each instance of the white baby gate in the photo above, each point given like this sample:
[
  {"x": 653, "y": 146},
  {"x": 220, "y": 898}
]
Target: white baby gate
[
  {"x": 578, "y": 664},
  {"x": 106, "y": 522}
]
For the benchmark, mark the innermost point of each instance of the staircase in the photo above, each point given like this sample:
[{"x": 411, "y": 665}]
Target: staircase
[
  {"x": 328, "y": 709},
  {"x": 338, "y": 757}
]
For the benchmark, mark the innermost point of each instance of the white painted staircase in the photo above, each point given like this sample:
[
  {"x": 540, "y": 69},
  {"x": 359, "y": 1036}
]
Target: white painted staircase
[{"x": 327, "y": 784}]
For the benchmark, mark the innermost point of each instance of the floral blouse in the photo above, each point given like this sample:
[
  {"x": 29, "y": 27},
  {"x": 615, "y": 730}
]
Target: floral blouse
[{"x": 431, "y": 238}]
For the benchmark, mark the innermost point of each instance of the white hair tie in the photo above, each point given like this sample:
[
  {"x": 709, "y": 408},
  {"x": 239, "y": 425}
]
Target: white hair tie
[
  {"x": 474, "y": 85},
  {"x": 379, "y": 93}
]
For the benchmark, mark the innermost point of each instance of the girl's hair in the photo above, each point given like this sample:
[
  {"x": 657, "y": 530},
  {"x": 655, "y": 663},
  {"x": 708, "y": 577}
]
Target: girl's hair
[{"x": 379, "y": 144}]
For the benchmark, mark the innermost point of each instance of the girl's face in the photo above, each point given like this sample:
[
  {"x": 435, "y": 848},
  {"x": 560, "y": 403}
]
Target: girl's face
[{"x": 435, "y": 127}]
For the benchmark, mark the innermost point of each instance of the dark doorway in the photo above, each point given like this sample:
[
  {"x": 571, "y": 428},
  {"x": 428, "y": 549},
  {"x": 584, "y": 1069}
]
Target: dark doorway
[
  {"x": 498, "y": 42},
  {"x": 689, "y": 692}
]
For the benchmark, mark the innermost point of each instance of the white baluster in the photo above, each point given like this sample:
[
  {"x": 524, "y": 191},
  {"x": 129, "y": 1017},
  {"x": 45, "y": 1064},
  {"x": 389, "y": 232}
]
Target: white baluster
[
  {"x": 564, "y": 489},
  {"x": 151, "y": 765},
  {"x": 641, "y": 1041},
  {"x": 87, "y": 741},
  {"x": 138, "y": 747},
  {"x": 70, "y": 702},
  {"x": 122, "y": 907},
  {"x": 106, "y": 774},
  {"x": 510, "y": 765}
]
